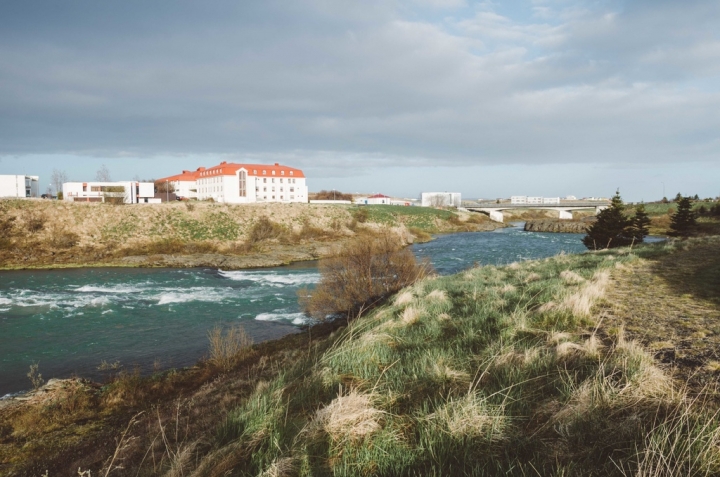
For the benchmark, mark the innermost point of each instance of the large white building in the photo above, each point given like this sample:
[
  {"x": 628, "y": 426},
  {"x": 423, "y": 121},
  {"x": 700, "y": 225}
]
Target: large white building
[
  {"x": 441, "y": 199},
  {"x": 241, "y": 183},
  {"x": 129, "y": 192},
  {"x": 19, "y": 187}
]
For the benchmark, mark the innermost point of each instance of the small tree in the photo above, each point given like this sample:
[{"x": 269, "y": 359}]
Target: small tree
[
  {"x": 57, "y": 179},
  {"x": 678, "y": 197},
  {"x": 103, "y": 174},
  {"x": 612, "y": 227},
  {"x": 682, "y": 222},
  {"x": 641, "y": 223}
]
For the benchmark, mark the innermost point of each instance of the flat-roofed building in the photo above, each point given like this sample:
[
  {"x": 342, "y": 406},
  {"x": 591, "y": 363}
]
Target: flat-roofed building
[
  {"x": 125, "y": 192},
  {"x": 19, "y": 186}
]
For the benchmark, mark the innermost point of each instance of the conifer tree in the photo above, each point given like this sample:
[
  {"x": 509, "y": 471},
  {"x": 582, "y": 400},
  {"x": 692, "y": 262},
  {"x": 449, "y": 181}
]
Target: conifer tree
[
  {"x": 612, "y": 227},
  {"x": 682, "y": 222},
  {"x": 641, "y": 223}
]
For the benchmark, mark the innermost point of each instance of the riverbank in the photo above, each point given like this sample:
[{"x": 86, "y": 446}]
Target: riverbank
[
  {"x": 470, "y": 373},
  {"x": 36, "y": 234},
  {"x": 557, "y": 226}
]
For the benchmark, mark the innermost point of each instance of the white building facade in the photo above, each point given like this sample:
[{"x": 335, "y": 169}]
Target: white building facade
[
  {"x": 242, "y": 183},
  {"x": 522, "y": 199},
  {"x": 19, "y": 186},
  {"x": 129, "y": 192},
  {"x": 441, "y": 199}
]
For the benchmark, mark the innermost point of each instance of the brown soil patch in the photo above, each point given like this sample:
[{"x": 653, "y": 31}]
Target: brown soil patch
[{"x": 672, "y": 306}]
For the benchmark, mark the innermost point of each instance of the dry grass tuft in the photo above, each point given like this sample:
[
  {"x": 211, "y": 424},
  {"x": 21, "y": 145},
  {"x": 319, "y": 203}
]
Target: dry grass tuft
[
  {"x": 568, "y": 276},
  {"x": 351, "y": 417},
  {"x": 226, "y": 348},
  {"x": 410, "y": 315},
  {"x": 471, "y": 416},
  {"x": 437, "y": 295},
  {"x": 581, "y": 303},
  {"x": 507, "y": 288},
  {"x": 531, "y": 277},
  {"x": 443, "y": 317},
  {"x": 282, "y": 467},
  {"x": 445, "y": 373},
  {"x": 404, "y": 298},
  {"x": 567, "y": 348}
]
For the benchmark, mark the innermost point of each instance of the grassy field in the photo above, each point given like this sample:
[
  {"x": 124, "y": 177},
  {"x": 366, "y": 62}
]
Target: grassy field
[
  {"x": 528, "y": 369},
  {"x": 40, "y": 233}
]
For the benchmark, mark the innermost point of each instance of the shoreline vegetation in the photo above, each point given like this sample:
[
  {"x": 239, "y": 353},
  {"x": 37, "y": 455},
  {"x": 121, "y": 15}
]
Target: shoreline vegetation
[
  {"x": 560, "y": 366},
  {"x": 37, "y": 234}
]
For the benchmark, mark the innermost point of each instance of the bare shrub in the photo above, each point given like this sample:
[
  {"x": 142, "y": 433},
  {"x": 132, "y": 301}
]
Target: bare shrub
[
  {"x": 404, "y": 298},
  {"x": 35, "y": 377},
  {"x": 568, "y": 276},
  {"x": 64, "y": 239},
  {"x": 264, "y": 229},
  {"x": 34, "y": 221},
  {"x": 330, "y": 195},
  {"x": 228, "y": 347},
  {"x": 361, "y": 215},
  {"x": 366, "y": 271}
]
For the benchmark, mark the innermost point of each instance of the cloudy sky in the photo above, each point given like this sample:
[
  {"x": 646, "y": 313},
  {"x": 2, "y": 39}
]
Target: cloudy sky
[{"x": 539, "y": 97}]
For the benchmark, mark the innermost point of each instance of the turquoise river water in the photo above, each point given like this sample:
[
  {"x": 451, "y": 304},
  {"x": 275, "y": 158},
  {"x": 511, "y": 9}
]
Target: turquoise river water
[{"x": 69, "y": 321}]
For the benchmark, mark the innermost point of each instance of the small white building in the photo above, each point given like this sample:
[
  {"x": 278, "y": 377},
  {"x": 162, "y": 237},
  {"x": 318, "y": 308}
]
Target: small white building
[
  {"x": 440, "y": 199},
  {"x": 570, "y": 197},
  {"x": 241, "y": 183},
  {"x": 129, "y": 192},
  {"x": 534, "y": 200},
  {"x": 377, "y": 199},
  {"x": 518, "y": 199},
  {"x": 19, "y": 186},
  {"x": 551, "y": 200}
]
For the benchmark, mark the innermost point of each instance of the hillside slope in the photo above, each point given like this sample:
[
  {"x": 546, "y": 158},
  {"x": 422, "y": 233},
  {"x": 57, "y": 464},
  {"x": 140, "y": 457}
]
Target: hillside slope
[
  {"x": 37, "y": 233},
  {"x": 514, "y": 370}
]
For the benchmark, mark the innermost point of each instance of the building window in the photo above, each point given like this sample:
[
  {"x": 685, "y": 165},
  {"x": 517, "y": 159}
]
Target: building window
[
  {"x": 291, "y": 172},
  {"x": 273, "y": 172},
  {"x": 292, "y": 189},
  {"x": 273, "y": 197},
  {"x": 282, "y": 173},
  {"x": 254, "y": 172},
  {"x": 292, "y": 197},
  {"x": 264, "y": 172},
  {"x": 273, "y": 180},
  {"x": 264, "y": 189},
  {"x": 281, "y": 197},
  {"x": 265, "y": 180},
  {"x": 243, "y": 181}
]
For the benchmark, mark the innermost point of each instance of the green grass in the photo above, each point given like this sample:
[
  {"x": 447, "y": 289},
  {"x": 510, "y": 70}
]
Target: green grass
[
  {"x": 657, "y": 209},
  {"x": 423, "y": 218},
  {"x": 494, "y": 371}
]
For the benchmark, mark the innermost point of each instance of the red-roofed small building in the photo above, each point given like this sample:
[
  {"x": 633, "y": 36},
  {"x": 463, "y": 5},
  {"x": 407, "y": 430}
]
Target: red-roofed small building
[
  {"x": 241, "y": 183},
  {"x": 377, "y": 199}
]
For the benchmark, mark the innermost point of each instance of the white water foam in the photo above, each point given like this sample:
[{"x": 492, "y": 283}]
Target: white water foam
[
  {"x": 115, "y": 289},
  {"x": 294, "y": 318},
  {"x": 273, "y": 279},
  {"x": 175, "y": 295}
]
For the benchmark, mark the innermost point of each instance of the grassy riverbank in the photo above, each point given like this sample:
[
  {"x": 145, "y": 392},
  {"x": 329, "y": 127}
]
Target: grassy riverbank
[
  {"x": 52, "y": 234},
  {"x": 528, "y": 369}
]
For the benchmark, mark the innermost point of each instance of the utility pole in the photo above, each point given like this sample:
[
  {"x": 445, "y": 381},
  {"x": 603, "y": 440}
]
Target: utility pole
[{"x": 167, "y": 191}]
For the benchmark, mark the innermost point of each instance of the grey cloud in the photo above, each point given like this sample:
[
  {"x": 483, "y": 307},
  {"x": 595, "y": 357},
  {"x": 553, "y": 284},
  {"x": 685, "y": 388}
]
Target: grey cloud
[{"x": 324, "y": 81}]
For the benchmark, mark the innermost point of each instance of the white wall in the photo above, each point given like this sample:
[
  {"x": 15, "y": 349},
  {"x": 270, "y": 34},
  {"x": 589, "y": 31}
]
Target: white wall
[
  {"x": 134, "y": 193},
  {"x": 18, "y": 186}
]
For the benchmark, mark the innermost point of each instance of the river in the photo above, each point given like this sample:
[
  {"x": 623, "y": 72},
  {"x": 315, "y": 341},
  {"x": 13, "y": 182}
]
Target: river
[{"x": 69, "y": 321}]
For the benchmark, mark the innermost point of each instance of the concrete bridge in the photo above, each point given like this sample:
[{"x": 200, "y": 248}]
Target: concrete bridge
[{"x": 565, "y": 208}]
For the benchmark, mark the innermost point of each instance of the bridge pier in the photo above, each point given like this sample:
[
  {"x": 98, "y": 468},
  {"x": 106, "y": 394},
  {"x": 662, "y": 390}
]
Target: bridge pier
[
  {"x": 565, "y": 214},
  {"x": 497, "y": 216}
]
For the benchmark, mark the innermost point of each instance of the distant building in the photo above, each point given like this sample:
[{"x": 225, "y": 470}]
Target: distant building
[
  {"x": 241, "y": 183},
  {"x": 440, "y": 199},
  {"x": 19, "y": 187},
  {"x": 522, "y": 199},
  {"x": 129, "y": 192},
  {"x": 377, "y": 199},
  {"x": 570, "y": 197}
]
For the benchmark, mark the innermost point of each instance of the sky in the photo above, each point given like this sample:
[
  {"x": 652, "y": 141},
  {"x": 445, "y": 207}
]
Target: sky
[{"x": 490, "y": 99}]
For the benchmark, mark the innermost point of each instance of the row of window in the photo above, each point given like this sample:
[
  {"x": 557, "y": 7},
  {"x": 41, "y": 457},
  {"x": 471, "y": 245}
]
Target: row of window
[{"x": 257, "y": 189}]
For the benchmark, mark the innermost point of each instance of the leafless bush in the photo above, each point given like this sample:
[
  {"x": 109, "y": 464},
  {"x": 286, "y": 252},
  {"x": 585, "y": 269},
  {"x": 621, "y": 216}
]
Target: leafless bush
[
  {"x": 65, "y": 239},
  {"x": 361, "y": 215},
  {"x": 34, "y": 221},
  {"x": 330, "y": 195},
  {"x": 229, "y": 346},
  {"x": 366, "y": 271},
  {"x": 264, "y": 229},
  {"x": 35, "y": 377}
]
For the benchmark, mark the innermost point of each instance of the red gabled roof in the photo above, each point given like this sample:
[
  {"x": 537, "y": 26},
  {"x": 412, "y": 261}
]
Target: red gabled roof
[
  {"x": 229, "y": 169},
  {"x": 378, "y": 196}
]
